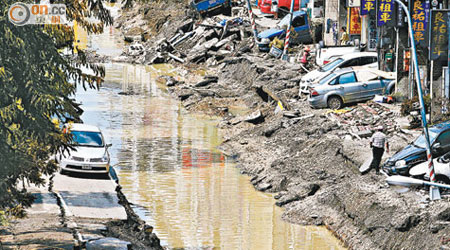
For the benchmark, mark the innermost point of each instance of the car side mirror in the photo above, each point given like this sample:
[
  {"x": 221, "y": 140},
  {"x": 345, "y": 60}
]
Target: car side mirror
[
  {"x": 437, "y": 147},
  {"x": 109, "y": 145}
]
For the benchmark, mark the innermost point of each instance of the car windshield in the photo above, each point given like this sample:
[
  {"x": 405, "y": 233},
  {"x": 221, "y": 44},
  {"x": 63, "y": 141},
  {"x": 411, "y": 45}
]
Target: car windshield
[
  {"x": 421, "y": 142},
  {"x": 327, "y": 78},
  {"x": 331, "y": 65},
  {"x": 285, "y": 21},
  {"x": 87, "y": 139}
]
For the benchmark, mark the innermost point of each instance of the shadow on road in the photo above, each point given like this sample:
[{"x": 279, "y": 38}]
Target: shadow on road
[{"x": 88, "y": 176}]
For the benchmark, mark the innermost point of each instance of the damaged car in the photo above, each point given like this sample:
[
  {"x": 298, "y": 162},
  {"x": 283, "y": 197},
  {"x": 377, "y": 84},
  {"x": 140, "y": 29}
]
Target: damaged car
[
  {"x": 368, "y": 59},
  {"x": 350, "y": 85},
  {"x": 204, "y": 7},
  {"x": 401, "y": 162},
  {"x": 441, "y": 169},
  {"x": 300, "y": 25}
]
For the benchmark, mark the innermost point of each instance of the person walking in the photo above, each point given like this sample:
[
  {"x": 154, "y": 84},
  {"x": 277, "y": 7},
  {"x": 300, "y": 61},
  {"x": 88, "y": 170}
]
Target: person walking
[{"x": 378, "y": 142}]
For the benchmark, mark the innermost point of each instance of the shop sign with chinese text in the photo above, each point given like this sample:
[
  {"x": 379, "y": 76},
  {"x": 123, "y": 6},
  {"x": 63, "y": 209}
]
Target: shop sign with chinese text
[
  {"x": 420, "y": 15},
  {"x": 384, "y": 11},
  {"x": 367, "y": 6},
  {"x": 439, "y": 35}
]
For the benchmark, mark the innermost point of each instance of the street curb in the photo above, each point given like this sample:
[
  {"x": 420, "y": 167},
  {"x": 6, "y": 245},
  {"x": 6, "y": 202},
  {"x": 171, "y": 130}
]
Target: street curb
[{"x": 67, "y": 216}]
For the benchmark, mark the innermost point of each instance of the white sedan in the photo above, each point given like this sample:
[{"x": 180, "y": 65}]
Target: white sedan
[
  {"x": 368, "y": 59},
  {"x": 90, "y": 153}
]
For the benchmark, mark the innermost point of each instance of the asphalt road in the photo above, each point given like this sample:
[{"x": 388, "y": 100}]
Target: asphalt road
[{"x": 89, "y": 197}]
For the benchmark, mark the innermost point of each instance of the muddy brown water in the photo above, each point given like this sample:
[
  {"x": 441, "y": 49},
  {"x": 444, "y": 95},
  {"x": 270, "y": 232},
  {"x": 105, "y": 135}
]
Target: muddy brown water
[{"x": 168, "y": 166}]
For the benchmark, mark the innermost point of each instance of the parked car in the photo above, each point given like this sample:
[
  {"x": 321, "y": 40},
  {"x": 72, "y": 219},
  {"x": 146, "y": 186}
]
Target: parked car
[
  {"x": 89, "y": 154},
  {"x": 402, "y": 161},
  {"x": 369, "y": 59},
  {"x": 326, "y": 55},
  {"x": 350, "y": 85},
  {"x": 284, "y": 6},
  {"x": 300, "y": 25},
  {"x": 441, "y": 169},
  {"x": 204, "y": 7}
]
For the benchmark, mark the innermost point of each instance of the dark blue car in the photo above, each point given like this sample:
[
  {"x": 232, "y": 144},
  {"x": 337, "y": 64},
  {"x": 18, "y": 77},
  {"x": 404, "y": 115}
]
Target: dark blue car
[
  {"x": 206, "y": 6},
  {"x": 300, "y": 25},
  {"x": 416, "y": 152}
]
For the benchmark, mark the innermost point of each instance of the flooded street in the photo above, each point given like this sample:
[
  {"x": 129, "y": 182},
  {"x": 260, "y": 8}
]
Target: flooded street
[{"x": 169, "y": 168}]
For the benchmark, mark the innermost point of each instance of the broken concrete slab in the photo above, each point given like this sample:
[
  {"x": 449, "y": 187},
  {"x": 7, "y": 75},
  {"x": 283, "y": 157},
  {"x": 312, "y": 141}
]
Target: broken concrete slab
[
  {"x": 206, "y": 82},
  {"x": 255, "y": 117}
]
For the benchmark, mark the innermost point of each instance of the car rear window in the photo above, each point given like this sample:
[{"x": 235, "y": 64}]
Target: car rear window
[
  {"x": 331, "y": 65},
  {"x": 87, "y": 139},
  {"x": 327, "y": 78}
]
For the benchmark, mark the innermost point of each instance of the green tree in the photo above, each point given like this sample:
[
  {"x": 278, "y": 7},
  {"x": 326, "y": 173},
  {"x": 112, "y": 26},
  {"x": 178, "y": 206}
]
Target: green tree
[{"x": 37, "y": 83}]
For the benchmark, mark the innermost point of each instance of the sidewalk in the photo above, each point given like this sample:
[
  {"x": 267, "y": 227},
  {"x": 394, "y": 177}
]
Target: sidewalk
[{"x": 41, "y": 229}]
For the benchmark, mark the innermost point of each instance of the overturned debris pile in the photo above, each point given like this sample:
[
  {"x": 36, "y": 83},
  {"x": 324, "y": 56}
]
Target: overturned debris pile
[{"x": 211, "y": 39}]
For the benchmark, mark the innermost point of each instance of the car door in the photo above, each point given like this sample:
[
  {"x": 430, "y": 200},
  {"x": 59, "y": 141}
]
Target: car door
[
  {"x": 348, "y": 87},
  {"x": 371, "y": 88}
]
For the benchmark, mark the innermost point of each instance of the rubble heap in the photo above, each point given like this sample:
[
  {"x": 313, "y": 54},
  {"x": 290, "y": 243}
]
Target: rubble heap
[{"x": 362, "y": 120}]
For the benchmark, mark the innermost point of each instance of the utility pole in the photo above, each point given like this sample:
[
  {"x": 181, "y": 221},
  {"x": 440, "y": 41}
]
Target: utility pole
[
  {"x": 252, "y": 18},
  {"x": 288, "y": 31},
  {"x": 434, "y": 191}
]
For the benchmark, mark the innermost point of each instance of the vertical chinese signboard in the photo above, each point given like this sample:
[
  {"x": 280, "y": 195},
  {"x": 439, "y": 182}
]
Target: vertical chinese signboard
[
  {"x": 420, "y": 15},
  {"x": 367, "y": 6},
  {"x": 439, "y": 35},
  {"x": 384, "y": 12},
  {"x": 355, "y": 21}
]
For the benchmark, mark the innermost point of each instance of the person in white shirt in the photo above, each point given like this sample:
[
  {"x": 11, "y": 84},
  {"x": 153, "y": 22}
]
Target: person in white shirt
[
  {"x": 274, "y": 8},
  {"x": 378, "y": 142}
]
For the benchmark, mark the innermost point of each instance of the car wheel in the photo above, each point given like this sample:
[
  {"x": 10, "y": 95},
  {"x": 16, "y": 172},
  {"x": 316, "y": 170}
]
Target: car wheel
[
  {"x": 335, "y": 102},
  {"x": 442, "y": 179}
]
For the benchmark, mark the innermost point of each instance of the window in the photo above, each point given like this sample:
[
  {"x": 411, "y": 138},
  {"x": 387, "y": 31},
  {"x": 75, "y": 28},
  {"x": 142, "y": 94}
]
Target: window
[
  {"x": 351, "y": 63},
  {"x": 420, "y": 141},
  {"x": 331, "y": 65},
  {"x": 327, "y": 78},
  {"x": 368, "y": 60},
  {"x": 298, "y": 21},
  {"x": 88, "y": 139},
  {"x": 444, "y": 139},
  {"x": 347, "y": 78},
  {"x": 333, "y": 82}
]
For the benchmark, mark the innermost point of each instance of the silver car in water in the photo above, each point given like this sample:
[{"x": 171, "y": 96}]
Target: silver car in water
[{"x": 350, "y": 85}]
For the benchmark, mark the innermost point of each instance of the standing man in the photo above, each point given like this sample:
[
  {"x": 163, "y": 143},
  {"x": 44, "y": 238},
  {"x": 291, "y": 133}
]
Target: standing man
[{"x": 377, "y": 143}]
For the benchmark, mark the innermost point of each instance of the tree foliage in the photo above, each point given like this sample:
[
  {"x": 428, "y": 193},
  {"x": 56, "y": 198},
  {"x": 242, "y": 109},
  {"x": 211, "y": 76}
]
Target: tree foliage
[{"x": 37, "y": 83}]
